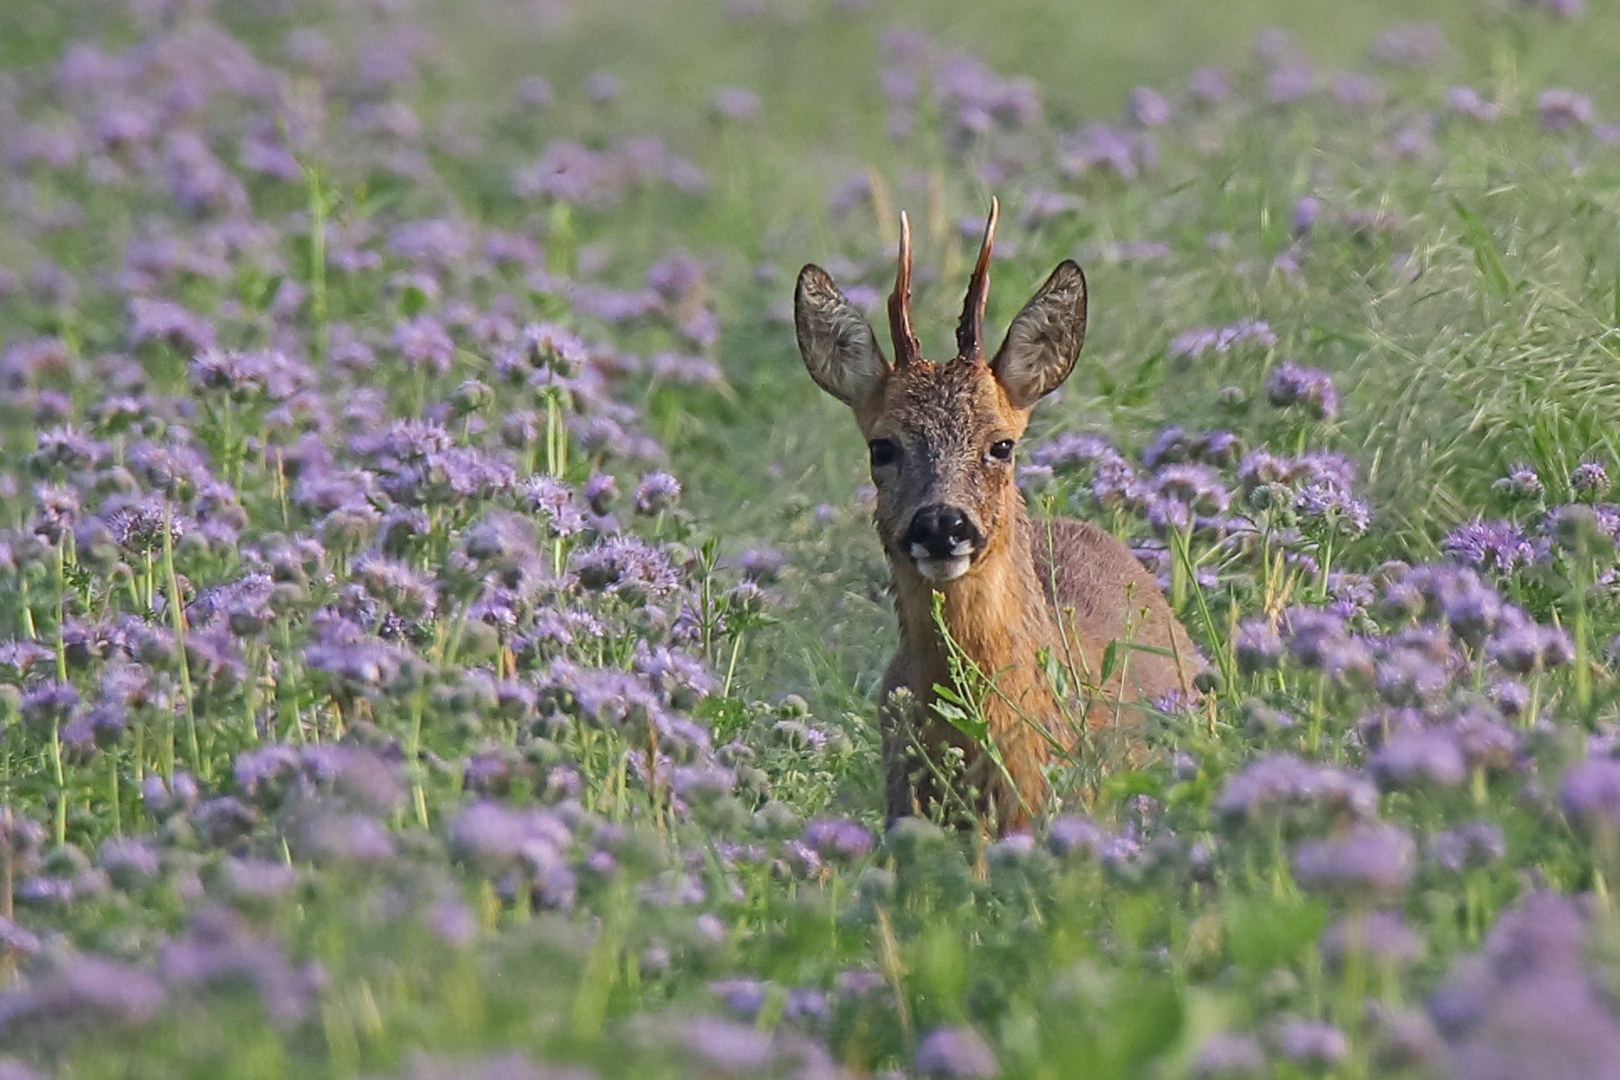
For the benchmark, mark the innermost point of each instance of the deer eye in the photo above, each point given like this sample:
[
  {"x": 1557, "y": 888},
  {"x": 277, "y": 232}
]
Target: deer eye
[
  {"x": 884, "y": 452},
  {"x": 1002, "y": 451}
]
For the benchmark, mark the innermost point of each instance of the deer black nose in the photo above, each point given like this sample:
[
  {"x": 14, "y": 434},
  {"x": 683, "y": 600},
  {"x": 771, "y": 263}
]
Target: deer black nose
[{"x": 942, "y": 532}]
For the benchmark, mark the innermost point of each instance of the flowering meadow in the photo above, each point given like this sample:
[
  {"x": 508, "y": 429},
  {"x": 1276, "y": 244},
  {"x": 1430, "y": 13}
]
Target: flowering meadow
[{"x": 440, "y": 621}]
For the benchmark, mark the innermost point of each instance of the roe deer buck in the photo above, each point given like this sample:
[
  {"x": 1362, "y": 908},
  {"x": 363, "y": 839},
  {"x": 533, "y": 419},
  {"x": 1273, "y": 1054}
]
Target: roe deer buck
[{"x": 952, "y": 522}]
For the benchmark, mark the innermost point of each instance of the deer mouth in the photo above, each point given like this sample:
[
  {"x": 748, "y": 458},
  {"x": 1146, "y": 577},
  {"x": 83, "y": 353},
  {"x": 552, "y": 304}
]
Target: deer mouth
[{"x": 942, "y": 568}]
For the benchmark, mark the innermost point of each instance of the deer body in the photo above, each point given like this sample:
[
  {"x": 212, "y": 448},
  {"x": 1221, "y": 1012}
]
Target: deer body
[{"x": 952, "y": 522}]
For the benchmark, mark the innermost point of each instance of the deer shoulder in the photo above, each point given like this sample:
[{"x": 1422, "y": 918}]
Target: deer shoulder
[{"x": 1097, "y": 585}]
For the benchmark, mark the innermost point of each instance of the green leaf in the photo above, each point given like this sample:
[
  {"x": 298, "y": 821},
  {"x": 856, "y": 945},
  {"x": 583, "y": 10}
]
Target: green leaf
[
  {"x": 1110, "y": 662},
  {"x": 1264, "y": 934},
  {"x": 1122, "y": 785},
  {"x": 1146, "y": 1022},
  {"x": 412, "y": 301},
  {"x": 1486, "y": 257},
  {"x": 1147, "y": 378},
  {"x": 970, "y": 722}
]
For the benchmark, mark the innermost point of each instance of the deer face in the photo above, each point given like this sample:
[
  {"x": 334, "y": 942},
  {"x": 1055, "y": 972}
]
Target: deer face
[{"x": 942, "y": 437}]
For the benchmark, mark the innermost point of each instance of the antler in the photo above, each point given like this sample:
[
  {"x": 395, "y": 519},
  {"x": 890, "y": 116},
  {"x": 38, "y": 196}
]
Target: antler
[
  {"x": 906, "y": 349},
  {"x": 970, "y": 331}
]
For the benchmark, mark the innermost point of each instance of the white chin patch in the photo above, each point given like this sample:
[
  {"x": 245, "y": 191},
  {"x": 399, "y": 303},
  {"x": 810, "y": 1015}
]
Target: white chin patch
[{"x": 942, "y": 570}]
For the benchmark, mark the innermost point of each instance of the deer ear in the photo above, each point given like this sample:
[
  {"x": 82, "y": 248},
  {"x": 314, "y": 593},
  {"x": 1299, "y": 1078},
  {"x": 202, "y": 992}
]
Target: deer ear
[
  {"x": 1044, "y": 341},
  {"x": 839, "y": 349}
]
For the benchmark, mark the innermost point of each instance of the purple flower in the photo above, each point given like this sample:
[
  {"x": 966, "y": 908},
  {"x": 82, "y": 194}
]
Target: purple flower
[
  {"x": 166, "y": 322},
  {"x": 1381, "y": 935},
  {"x": 1289, "y": 83},
  {"x": 1489, "y": 545},
  {"x": 1509, "y": 695},
  {"x": 1367, "y": 861},
  {"x": 1306, "y": 212},
  {"x": 1584, "y": 530},
  {"x": 493, "y": 836},
  {"x": 257, "y": 879},
  {"x": 1291, "y": 384},
  {"x": 130, "y": 863},
  {"x": 625, "y": 565},
  {"x": 675, "y": 276},
  {"x": 742, "y": 995},
  {"x": 1209, "y": 84},
  {"x": 1257, "y": 645},
  {"x": 1408, "y": 677},
  {"x": 1262, "y": 720},
  {"x": 1071, "y": 450},
  {"x": 435, "y": 242},
  {"x": 837, "y": 839},
  {"x": 1414, "y": 759},
  {"x": 551, "y": 347},
  {"x": 1561, "y": 9},
  {"x": 1589, "y": 479},
  {"x": 1115, "y": 483},
  {"x": 357, "y": 839},
  {"x": 602, "y": 87},
  {"x": 1148, "y": 108},
  {"x": 1591, "y": 793},
  {"x": 1284, "y": 785},
  {"x": 1356, "y": 91},
  {"x": 1526, "y": 1005},
  {"x": 955, "y": 1053},
  {"x": 1561, "y": 110},
  {"x": 1521, "y": 482},
  {"x": 1412, "y": 45},
  {"x": 1485, "y": 743},
  {"x": 1193, "y": 344},
  {"x": 1466, "y": 101},
  {"x": 736, "y": 103},
  {"x": 16, "y": 941},
  {"x": 554, "y": 501},
  {"x": 682, "y": 679},
  {"x": 533, "y": 92},
  {"x": 1312, "y": 1044},
  {"x": 1456, "y": 594},
  {"x": 1128, "y": 155},
  {"x": 1476, "y": 843},
  {"x": 1526, "y": 647},
  {"x": 400, "y": 587},
  {"x": 89, "y": 991},
  {"x": 1072, "y": 834},
  {"x": 422, "y": 341},
  {"x": 48, "y": 703},
  {"x": 656, "y": 493},
  {"x": 733, "y": 1048},
  {"x": 568, "y": 172},
  {"x": 1312, "y": 633},
  {"x": 1198, "y": 487},
  {"x": 1231, "y": 1055}
]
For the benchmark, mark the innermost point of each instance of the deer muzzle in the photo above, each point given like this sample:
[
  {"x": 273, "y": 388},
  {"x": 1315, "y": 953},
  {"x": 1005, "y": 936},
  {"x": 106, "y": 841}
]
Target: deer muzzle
[{"x": 943, "y": 541}]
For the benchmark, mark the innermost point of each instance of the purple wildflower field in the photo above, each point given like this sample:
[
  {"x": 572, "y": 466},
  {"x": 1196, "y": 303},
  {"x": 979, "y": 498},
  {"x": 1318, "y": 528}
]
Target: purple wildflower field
[{"x": 439, "y": 634}]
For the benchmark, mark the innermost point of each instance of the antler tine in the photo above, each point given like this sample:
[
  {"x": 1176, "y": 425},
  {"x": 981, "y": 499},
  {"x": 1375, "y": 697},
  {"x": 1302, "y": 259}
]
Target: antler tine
[
  {"x": 906, "y": 349},
  {"x": 970, "y": 331}
]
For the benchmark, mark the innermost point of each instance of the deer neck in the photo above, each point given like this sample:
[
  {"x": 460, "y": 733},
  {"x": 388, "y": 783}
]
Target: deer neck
[{"x": 996, "y": 614}]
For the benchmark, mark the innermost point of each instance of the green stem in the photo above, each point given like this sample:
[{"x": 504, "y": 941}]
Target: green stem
[
  {"x": 731, "y": 668},
  {"x": 177, "y": 618},
  {"x": 1583, "y": 641},
  {"x": 317, "y": 257},
  {"x": 62, "y": 677},
  {"x": 61, "y": 781},
  {"x": 414, "y": 756},
  {"x": 112, "y": 792}
]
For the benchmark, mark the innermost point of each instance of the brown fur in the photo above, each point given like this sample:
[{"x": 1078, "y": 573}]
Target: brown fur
[{"x": 1062, "y": 587}]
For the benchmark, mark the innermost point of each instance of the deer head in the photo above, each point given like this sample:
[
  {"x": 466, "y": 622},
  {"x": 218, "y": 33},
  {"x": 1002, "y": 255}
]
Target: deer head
[{"x": 942, "y": 435}]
